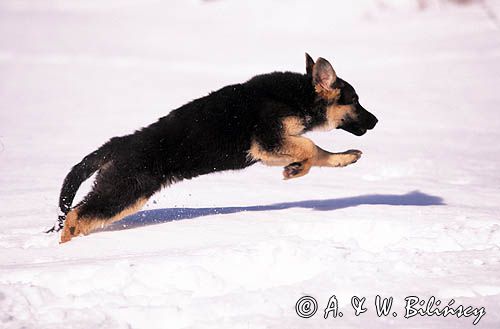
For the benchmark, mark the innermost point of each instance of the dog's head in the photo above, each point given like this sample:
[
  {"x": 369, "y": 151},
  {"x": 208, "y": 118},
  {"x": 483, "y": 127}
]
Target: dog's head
[{"x": 342, "y": 103}]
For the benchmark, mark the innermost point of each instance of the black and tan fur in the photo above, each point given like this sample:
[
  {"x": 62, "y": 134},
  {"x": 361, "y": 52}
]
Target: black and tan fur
[{"x": 262, "y": 120}]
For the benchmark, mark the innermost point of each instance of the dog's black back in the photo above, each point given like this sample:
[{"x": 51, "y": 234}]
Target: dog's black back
[{"x": 215, "y": 132}]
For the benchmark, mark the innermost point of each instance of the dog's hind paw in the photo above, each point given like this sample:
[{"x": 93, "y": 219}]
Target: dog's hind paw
[{"x": 71, "y": 227}]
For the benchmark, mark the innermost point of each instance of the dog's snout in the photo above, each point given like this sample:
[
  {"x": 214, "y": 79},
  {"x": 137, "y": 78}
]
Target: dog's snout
[
  {"x": 373, "y": 122},
  {"x": 369, "y": 120}
]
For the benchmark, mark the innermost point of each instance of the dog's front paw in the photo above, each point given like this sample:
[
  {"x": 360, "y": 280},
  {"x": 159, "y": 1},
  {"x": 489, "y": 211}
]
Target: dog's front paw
[
  {"x": 296, "y": 169},
  {"x": 292, "y": 170},
  {"x": 353, "y": 155},
  {"x": 346, "y": 158},
  {"x": 354, "y": 152}
]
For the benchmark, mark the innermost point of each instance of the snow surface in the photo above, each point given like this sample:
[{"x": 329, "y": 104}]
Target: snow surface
[{"x": 419, "y": 214}]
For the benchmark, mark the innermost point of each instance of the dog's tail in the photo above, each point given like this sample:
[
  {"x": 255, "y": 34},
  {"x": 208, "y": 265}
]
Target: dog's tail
[{"x": 78, "y": 174}]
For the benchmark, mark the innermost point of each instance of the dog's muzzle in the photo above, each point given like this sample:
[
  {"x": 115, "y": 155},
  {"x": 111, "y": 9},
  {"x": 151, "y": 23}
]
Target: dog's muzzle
[{"x": 364, "y": 121}]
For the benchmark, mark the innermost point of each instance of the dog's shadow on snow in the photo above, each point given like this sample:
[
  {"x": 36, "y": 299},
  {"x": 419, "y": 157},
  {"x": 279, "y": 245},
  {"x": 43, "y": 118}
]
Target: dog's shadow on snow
[{"x": 158, "y": 216}]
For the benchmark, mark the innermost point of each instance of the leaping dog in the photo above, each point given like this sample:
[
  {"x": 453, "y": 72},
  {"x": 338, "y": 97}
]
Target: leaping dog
[{"x": 261, "y": 120}]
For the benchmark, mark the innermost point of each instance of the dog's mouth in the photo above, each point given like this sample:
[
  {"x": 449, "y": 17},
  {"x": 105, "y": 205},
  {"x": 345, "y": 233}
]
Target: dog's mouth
[
  {"x": 355, "y": 130},
  {"x": 364, "y": 121},
  {"x": 359, "y": 128}
]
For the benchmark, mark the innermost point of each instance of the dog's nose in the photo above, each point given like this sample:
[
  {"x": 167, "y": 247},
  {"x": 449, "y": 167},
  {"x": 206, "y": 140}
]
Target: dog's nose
[{"x": 373, "y": 121}]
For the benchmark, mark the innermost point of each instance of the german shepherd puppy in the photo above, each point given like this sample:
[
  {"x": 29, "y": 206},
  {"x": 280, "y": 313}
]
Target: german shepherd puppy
[{"x": 232, "y": 128}]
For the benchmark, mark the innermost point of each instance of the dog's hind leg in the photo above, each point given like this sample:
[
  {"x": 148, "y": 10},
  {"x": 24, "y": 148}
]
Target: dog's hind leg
[
  {"x": 78, "y": 222},
  {"x": 113, "y": 198}
]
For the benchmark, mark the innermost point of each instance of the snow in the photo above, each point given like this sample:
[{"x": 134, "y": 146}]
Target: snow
[{"x": 419, "y": 214}]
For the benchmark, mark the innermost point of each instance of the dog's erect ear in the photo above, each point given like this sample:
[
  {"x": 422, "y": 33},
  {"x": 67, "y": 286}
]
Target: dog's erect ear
[
  {"x": 309, "y": 64},
  {"x": 324, "y": 75}
]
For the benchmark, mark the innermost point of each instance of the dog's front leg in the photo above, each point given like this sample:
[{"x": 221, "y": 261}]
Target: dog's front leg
[
  {"x": 299, "y": 153},
  {"x": 342, "y": 159},
  {"x": 322, "y": 159}
]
